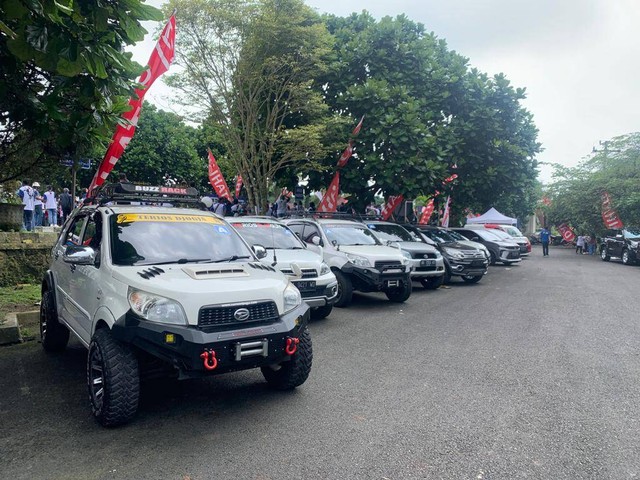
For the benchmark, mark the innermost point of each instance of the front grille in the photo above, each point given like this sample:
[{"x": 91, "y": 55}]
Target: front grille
[
  {"x": 422, "y": 255},
  {"x": 426, "y": 269},
  {"x": 472, "y": 255},
  {"x": 388, "y": 264},
  {"x": 306, "y": 272},
  {"x": 215, "y": 316}
]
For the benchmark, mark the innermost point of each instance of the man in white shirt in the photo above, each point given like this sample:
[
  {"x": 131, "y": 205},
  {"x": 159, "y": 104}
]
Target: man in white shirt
[
  {"x": 51, "y": 205},
  {"x": 27, "y": 195}
]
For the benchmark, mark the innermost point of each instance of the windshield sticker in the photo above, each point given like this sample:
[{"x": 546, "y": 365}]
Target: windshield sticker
[
  {"x": 256, "y": 225},
  {"x": 222, "y": 229},
  {"x": 155, "y": 217}
]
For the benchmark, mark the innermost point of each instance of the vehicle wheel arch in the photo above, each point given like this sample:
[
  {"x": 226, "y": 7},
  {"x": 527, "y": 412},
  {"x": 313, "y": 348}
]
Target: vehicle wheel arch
[{"x": 103, "y": 318}]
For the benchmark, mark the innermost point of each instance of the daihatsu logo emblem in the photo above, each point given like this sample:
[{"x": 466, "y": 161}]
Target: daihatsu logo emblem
[{"x": 241, "y": 314}]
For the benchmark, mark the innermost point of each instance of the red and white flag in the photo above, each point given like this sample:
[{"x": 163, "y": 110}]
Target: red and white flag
[
  {"x": 609, "y": 215},
  {"x": 450, "y": 179},
  {"x": 356, "y": 130},
  {"x": 329, "y": 202},
  {"x": 159, "y": 62},
  {"x": 238, "y": 185},
  {"x": 445, "y": 216},
  {"x": 390, "y": 207},
  {"x": 346, "y": 155},
  {"x": 566, "y": 232},
  {"x": 216, "y": 179},
  {"x": 426, "y": 212}
]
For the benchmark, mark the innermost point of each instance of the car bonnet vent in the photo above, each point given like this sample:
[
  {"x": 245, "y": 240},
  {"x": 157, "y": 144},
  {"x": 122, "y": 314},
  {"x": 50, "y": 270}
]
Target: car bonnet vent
[
  {"x": 207, "y": 273},
  {"x": 262, "y": 266},
  {"x": 148, "y": 273}
]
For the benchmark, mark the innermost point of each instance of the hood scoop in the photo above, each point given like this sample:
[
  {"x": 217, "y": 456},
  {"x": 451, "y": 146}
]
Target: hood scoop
[
  {"x": 261, "y": 266},
  {"x": 148, "y": 273},
  {"x": 208, "y": 273}
]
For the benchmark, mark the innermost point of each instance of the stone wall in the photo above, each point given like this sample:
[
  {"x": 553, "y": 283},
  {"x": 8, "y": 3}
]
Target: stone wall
[{"x": 24, "y": 256}]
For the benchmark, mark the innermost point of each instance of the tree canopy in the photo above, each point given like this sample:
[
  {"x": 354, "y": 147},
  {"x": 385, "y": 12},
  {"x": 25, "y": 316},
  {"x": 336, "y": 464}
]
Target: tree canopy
[{"x": 64, "y": 76}]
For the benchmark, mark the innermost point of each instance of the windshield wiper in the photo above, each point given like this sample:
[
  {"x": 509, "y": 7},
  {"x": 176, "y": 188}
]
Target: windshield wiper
[
  {"x": 295, "y": 248},
  {"x": 179, "y": 260},
  {"x": 231, "y": 259}
]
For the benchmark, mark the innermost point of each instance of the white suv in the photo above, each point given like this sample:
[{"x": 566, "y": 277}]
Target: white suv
[
  {"x": 288, "y": 254},
  {"x": 356, "y": 257},
  {"x": 146, "y": 286}
]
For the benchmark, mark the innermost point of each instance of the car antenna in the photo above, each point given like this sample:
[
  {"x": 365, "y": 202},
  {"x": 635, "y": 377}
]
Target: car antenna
[{"x": 273, "y": 242}]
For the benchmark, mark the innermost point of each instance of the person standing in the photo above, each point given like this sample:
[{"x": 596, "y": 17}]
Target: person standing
[
  {"x": 580, "y": 245},
  {"x": 281, "y": 204},
  {"x": 545, "y": 237},
  {"x": 38, "y": 205},
  {"x": 51, "y": 206},
  {"x": 593, "y": 244},
  {"x": 66, "y": 203},
  {"x": 27, "y": 196}
]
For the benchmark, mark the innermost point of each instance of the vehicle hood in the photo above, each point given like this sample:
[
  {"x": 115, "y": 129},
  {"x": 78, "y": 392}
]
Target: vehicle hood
[
  {"x": 373, "y": 252},
  {"x": 472, "y": 244},
  {"x": 463, "y": 246},
  {"x": 417, "y": 247},
  {"x": 285, "y": 257}
]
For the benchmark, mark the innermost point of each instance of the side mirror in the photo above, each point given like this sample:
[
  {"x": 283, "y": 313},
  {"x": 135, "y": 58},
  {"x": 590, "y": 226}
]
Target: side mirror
[
  {"x": 316, "y": 240},
  {"x": 260, "y": 251},
  {"x": 79, "y": 255}
]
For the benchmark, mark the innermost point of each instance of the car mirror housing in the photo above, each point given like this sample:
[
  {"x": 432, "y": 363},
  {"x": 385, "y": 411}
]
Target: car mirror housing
[
  {"x": 260, "y": 251},
  {"x": 79, "y": 255},
  {"x": 316, "y": 241}
]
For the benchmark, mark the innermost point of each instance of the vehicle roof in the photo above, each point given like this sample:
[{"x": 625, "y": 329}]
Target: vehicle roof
[
  {"x": 253, "y": 219},
  {"x": 159, "y": 210},
  {"x": 339, "y": 222}
]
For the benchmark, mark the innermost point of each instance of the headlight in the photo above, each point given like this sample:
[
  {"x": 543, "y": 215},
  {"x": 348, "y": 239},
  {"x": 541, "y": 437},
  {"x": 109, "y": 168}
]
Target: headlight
[
  {"x": 156, "y": 308},
  {"x": 358, "y": 260},
  {"x": 292, "y": 298},
  {"x": 324, "y": 269},
  {"x": 438, "y": 255},
  {"x": 634, "y": 244},
  {"x": 454, "y": 253},
  {"x": 406, "y": 255}
]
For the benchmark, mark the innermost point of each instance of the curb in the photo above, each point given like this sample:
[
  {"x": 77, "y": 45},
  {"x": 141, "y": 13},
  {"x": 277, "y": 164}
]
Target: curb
[{"x": 10, "y": 330}]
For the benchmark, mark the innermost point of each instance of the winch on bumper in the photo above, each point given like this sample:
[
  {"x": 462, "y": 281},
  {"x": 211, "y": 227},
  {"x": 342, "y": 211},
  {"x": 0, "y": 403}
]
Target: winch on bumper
[
  {"x": 196, "y": 352},
  {"x": 378, "y": 278}
]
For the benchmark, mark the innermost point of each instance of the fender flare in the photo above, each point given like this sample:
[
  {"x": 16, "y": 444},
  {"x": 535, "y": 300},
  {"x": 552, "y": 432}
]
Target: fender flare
[{"x": 103, "y": 314}]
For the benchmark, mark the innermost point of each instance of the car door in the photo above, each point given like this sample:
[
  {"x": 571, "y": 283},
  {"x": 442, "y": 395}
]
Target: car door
[{"x": 65, "y": 273}]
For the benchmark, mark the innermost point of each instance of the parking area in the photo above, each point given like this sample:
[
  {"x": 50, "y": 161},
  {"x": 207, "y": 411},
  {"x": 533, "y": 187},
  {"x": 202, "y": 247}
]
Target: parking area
[{"x": 531, "y": 373}]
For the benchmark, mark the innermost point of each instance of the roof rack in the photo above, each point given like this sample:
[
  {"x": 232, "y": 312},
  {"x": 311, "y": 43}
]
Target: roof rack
[
  {"x": 335, "y": 216},
  {"x": 124, "y": 193}
]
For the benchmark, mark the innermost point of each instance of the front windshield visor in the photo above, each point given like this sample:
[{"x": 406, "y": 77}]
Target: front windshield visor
[
  {"x": 268, "y": 234},
  {"x": 147, "y": 239},
  {"x": 345, "y": 234}
]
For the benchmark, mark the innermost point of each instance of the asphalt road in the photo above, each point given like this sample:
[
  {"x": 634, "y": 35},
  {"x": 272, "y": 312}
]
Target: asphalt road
[{"x": 532, "y": 373}]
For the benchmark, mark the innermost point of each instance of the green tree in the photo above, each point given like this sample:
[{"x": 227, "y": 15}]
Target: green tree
[
  {"x": 64, "y": 76},
  {"x": 251, "y": 67},
  {"x": 575, "y": 192}
]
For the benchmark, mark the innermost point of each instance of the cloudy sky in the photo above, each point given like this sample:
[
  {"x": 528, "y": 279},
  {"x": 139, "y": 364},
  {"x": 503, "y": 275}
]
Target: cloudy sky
[{"x": 578, "y": 59}]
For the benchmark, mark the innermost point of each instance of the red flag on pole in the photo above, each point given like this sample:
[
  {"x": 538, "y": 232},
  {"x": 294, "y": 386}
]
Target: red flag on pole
[
  {"x": 346, "y": 155},
  {"x": 238, "y": 185},
  {"x": 216, "y": 179},
  {"x": 356, "y": 130},
  {"x": 609, "y": 215},
  {"x": 450, "y": 179},
  {"x": 159, "y": 62},
  {"x": 391, "y": 206},
  {"x": 445, "y": 216},
  {"x": 566, "y": 232},
  {"x": 426, "y": 213},
  {"x": 329, "y": 202}
]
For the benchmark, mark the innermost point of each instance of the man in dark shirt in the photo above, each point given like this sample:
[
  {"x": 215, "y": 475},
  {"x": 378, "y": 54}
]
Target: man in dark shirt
[
  {"x": 66, "y": 204},
  {"x": 545, "y": 236}
]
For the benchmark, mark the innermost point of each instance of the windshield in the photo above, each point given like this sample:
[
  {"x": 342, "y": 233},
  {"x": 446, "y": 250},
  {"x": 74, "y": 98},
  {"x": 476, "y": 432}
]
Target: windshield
[
  {"x": 457, "y": 236},
  {"x": 500, "y": 234},
  {"x": 632, "y": 233},
  {"x": 151, "y": 239},
  {"x": 440, "y": 236},
  {"x": 345, "y": 234},
  {"x": 393, "y": 233},
  {"x": 513, "y": 231},
  {"x": 269, "y": 235}
]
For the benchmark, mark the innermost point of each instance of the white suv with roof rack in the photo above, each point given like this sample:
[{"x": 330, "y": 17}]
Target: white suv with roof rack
[
  {"x": 288, "y": 254},
  {"x": 357, "y": 258},
  {"x": 162, "y": 289}
]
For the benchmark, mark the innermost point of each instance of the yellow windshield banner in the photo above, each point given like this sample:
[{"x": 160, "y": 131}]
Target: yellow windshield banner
[{"x": 158, "y": 217}]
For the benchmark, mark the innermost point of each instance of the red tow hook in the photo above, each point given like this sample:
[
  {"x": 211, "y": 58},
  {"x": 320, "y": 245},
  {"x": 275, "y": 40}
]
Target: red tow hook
[
  {"x": 292, "y": 345},
  {"x": 209, "y": 359}
]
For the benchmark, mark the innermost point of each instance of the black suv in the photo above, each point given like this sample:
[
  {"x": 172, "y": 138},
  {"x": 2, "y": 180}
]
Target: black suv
[
  {"x": 500, "y": 250},
  {"x": 461, "y": 260},
  {"x": 621, "y": 243}
]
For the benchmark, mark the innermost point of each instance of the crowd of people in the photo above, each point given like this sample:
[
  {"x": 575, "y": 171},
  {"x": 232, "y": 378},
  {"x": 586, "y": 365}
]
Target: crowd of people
[
  {"x": 586, "y": 245},
  {"x": 46, "y": 208}
]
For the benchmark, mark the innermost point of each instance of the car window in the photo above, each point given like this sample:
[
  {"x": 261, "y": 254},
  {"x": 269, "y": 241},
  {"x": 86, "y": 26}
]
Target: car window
[
  {"x": 296, "y": 228},
  {"x": 310, "y": 231},
  {"x": 393, "y": 233},
  {"x": 92, "y": 236},
  {"x": 632, "y": 233},
  {"x": 268, "y": 234},
  {"x": 74, "y": 234},
  {"x": 347, "y": 234}
]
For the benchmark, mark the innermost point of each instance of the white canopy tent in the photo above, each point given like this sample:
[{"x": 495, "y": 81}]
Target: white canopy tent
[{"x": 493, "y": 216}]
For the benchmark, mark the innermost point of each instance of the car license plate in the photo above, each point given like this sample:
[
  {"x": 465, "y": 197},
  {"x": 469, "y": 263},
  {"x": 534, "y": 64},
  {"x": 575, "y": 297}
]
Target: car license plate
[
  {"x": 305, "y": 286},
  {"x": 427, "y": 263}
]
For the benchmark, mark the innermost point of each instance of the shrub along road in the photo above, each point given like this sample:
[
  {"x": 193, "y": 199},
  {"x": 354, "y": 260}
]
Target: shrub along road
[{"x": 532, "y": 373}]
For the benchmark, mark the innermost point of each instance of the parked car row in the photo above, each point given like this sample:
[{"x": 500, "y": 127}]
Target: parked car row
[{"x": 152, "y": 285}]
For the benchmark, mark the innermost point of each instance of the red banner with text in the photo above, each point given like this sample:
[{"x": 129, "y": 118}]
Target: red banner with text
[
  {"x": 566, "y": 232},
  {"x": 390, "y": 207},
  {"x": 329, "y": 202},
  {"x": 216, "y": 179},
  {"x": 609, "y": 215},
  {"x": 426, "y": 212}
]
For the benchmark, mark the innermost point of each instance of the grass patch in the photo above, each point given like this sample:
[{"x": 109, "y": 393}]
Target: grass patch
[{"x": 20, "y": 298}]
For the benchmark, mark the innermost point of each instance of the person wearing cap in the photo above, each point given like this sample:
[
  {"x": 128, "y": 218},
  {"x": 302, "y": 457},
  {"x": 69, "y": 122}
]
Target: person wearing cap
[
  {"x": 37, "y": 205},
  {"x": 51, "y": 206}
]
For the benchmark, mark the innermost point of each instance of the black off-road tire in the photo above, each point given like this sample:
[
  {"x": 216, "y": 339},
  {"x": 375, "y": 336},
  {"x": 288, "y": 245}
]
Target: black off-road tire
[
  {"x": 472, "y": 278},
  {"x": 626, "y": 257},
  {"x": 604, "y": 255},
  {"x": 53, "y": 334},
  {"x": 292, "y": 374},
  {"x": 432, "y": 283},
  {"x": 447, "y": 275},
  {"x": 114, "y": 366},
  {"x": 400, "y": 294},
  {"x": 492, "y": 258},
  {"x": 319, "y": 313},
  {"x": 345, "y": 289}
]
